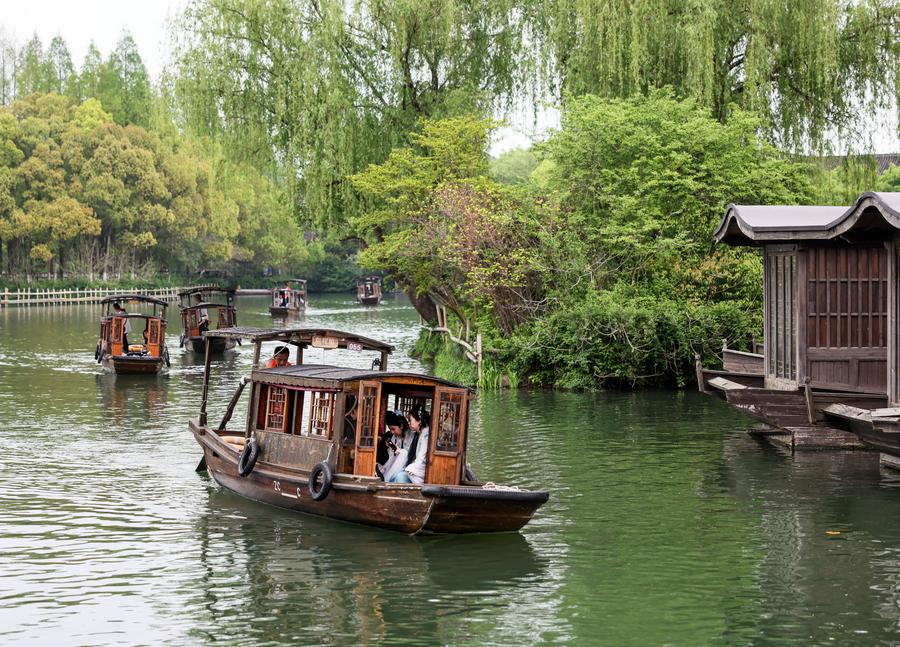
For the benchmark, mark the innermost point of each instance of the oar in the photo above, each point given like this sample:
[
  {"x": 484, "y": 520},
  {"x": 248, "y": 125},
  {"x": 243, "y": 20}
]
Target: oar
[{"x": 201, "y": 466}]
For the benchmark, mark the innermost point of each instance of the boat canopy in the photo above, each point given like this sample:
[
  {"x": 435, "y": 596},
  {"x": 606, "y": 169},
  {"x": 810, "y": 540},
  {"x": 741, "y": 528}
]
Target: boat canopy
[
  {"x": 316, "y": 337},
  {"x": 134, "y": 297},
  {"x": 332, "y": 377},
  {"x": 206, "y": 288},
  {"x": 759, "y": 224}
]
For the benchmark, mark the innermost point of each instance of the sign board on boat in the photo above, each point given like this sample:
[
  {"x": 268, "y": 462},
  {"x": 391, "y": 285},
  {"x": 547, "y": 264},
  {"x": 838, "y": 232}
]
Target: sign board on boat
[
  {"x": 352, "y": 345},
  {"x": 322, "y": 341}
]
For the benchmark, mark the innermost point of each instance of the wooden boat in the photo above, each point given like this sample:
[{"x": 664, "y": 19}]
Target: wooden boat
[
  {"x": 145, "y": 350},
  {"x": 207, "y": 300},
  {"x": 368, "y": 290},
  {"x": 289, "y": 299},
  {"x": 310, "y": 441},
  {"x": 878, "y": 429}
]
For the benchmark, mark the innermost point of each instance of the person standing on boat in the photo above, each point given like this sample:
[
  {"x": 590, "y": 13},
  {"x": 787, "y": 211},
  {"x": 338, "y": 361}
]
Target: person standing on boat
[
  {"x": 126, "y": 328},
  {"x": 416, "y": 449},
  {"x": 202, "y": 316},
  {"x": 286, "y": 296},
  {"x": 280, "y": 357}
]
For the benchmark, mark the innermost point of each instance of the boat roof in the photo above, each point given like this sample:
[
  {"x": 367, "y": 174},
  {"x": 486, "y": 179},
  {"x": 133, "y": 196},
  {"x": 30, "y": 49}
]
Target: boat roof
[
  {"x": 360, "y": 279},
  {"x": 205, "y": 288},
  {"x": 291, "y": 281},
  {"x": 312, "y": 375},
  {"x": 134, "y": 297},
  {"x": 298, "y": 335},
  {"x": 755, "y": 224}
]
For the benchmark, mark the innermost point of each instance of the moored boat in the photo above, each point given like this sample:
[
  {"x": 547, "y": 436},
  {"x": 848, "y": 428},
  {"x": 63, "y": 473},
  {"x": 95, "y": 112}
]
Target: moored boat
[
  {"x": 197, "y": 306},
  {"x": 312, "y": 434},
  {"x": 368, "y": 290},
  {"x": 289, "y": 299},
  {"x": 132, "y": 342}
]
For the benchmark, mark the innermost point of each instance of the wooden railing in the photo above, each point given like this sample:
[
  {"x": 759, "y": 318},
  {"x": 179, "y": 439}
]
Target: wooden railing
[{"x": 50, "y": 296}]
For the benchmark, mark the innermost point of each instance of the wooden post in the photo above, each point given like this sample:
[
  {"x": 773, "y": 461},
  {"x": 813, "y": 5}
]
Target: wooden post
[
  {"x": 810, "y": 409},
  {"x": 478, "y": 355},
  {"x": 384, "y": 361},
  {"x": 468, "y": 326},
  {"x": 258, "y": 347},
  {"x": 698, "y": 367},
  {"x": 205, "y": 383}
]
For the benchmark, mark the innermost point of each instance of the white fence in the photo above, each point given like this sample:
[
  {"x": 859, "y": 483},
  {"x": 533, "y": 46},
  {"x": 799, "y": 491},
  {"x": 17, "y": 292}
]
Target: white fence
[{"x": 37, "y": 297}]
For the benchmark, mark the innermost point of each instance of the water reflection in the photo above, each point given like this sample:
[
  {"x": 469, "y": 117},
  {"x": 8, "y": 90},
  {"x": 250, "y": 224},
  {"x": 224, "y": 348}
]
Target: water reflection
[{"x": 133, "y": 398}]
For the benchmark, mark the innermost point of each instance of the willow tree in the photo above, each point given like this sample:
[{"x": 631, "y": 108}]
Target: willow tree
[
  {"x": 811, "y": 69},
  {"x": 317, "y": 89}
]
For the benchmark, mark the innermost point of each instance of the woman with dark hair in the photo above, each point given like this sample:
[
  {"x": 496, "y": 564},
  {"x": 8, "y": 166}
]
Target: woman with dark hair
[
  {"x": 390, "y": 445},
  {"x": 417, "y": 449}
]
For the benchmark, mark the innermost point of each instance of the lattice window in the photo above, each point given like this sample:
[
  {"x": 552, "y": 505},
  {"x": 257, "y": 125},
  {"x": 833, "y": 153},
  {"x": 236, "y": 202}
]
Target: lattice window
[
  {"x": 153, "y": 337},
  {"x": 367, "y": 419},
  {"x": 847, "y": 297},
  {"x": 275, "y": 408},
  {"x": 406, "y": 402},
  {"x": 349, "y": 419},
  {"x": 320, "y": 414},
  {"x": 449, "y": 413},
  {"x": 117, "y": 328}
]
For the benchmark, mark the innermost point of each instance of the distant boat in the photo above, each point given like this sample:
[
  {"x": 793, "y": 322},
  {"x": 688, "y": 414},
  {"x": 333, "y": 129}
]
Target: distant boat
[
  {"x": 132, "y": 342},
  {"x": 310, "y": 442},
  {"x": 368, "y": 290},
  {"x": 209, "y": 300},
  {"x": 289, "y": 299}
]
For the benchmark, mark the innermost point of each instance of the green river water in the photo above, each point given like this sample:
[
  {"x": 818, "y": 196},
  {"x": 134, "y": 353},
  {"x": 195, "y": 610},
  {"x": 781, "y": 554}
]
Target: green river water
[{"x": 667, "y": 524}]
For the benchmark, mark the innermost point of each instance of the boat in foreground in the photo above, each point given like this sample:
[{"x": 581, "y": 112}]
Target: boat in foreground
[
  {"x": 145, "y": 351},
  {"x": 197, "y": 306},
  {"x": 311, "y": 436}
]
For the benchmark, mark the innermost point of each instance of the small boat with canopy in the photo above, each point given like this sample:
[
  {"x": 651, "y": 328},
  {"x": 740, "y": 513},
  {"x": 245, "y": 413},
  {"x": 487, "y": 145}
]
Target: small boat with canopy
[
  {"x": 204, "y": 308},
  {"x": 132, "y": 334},
  {"x": 368, "y": 290},
  {"x": 289, "y": 299},
  {"x": 311, "y": 439}
]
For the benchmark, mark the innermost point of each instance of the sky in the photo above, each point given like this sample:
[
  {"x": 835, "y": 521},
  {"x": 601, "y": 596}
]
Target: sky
[{"x": 80, "y": 21}]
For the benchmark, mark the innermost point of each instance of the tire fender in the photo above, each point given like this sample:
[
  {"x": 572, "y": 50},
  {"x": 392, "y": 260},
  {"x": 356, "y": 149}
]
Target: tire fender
[
  {"x": 319, "y": 490},
  {"x": 248, "y": 457}
]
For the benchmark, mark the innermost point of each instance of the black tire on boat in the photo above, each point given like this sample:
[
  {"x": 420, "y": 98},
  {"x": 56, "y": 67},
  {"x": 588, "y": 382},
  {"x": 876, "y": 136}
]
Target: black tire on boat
[
  {"x": 317, "y": 491},
  {"x": 248, "y": 458},
  {"x": 97, "y": 353},
  {"x": 166, "y": 356}
]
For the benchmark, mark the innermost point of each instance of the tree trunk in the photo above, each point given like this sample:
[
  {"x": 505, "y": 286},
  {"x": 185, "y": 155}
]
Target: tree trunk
[
  {"x": 423, "y": 305},
  {"x": 60, "y": 271},
  {"x": 106, "y": 258}
]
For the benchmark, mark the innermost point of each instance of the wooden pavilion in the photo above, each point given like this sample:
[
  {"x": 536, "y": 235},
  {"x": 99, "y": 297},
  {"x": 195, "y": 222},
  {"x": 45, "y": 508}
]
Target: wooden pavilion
[{"x": 830, "y": 314}]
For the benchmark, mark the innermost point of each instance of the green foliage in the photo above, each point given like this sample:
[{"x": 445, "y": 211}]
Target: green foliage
[
  {"x": 84, "y": 195},
  {"x": 514, "y": 167},
  {"x": 319, "y": 89},
  {"x": 807, "y": 69},
  {"x": 889, "y": 180}
]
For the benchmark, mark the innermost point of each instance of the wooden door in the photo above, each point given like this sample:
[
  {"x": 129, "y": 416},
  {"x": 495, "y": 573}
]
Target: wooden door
[
  {"x": 154, "y": 337},
  {"x": 781, "y": 316},
  {"x": 368, "y": 423},
  {"x": 118, "y": 330},
  {"x": 448, "y": 436}
]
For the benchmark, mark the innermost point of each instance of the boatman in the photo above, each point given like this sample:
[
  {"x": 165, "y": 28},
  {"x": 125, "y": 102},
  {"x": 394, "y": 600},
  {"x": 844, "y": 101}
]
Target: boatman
[
  {"x": 120, "y": 312},
  {"x": 280, "y": 357}
]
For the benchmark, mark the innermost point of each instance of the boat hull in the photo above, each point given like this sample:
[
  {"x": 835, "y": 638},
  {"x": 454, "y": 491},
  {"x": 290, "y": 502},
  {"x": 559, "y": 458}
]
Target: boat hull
[
  {"x": 368, "y": 301},
  {"x": 132, "y": 364},
  {"x": 404, "y": 508},
  {"x": 283, "y": 312},
  {"x": 217, "y": 345}
]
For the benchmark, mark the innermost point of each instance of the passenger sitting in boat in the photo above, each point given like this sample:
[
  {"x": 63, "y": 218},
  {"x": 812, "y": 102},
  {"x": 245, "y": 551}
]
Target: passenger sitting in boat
[
  {"x": 202, "y": 317},
  {"x": 280, "y": 357},
  {"x": 395, "y": 445},
  {"x": 416, "y": 442}
]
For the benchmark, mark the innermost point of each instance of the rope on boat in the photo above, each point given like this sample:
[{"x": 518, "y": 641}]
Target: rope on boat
[{"x": 490, "y": 485}]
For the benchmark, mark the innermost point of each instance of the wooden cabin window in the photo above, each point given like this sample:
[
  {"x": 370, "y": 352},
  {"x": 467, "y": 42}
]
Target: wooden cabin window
[
  {"x": 368, "y": 413},
  {"x": 276, "y": 406},
  {"x": 847, "y": 291},
  {"x": 118, "y": 326},
  {"x": 320, "y": 414},
  {"x": 349, "y": 419},
  {"x": 448, "y": 423},
  {"x": 404, "y": 403}
]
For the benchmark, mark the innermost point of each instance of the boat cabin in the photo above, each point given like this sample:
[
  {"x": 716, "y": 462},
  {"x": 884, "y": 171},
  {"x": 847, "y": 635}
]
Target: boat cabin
[
  {"x": 289, "y": 298},
  {"x": 831, "y": 288},
  {"x": 205, "y": 308},
  {"x": 306, "y": 413},
  {"x": 368, "y": 290},
  {"x": 132, "y": 334}
]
